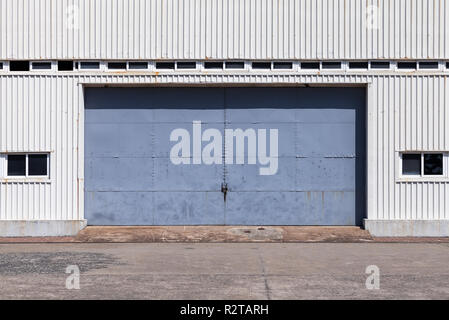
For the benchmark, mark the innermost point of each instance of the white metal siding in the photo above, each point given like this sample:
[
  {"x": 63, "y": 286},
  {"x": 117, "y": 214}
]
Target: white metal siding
[
  {"x": 223, "y": 29},
  {"x": 40, "y": 114},
  {"x": 45, "y": 113}
]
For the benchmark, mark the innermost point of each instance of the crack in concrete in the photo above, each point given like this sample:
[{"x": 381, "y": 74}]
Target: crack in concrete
[{"x": 267, "y": 287}]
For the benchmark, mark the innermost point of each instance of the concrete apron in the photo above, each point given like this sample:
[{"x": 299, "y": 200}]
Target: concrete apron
[{"x": 149, "y": 234}]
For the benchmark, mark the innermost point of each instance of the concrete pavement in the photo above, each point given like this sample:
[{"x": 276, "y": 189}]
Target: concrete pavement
[{"x": 224, "y": 271}]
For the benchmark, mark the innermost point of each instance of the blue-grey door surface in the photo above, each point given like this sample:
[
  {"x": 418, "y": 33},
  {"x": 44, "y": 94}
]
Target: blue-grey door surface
[{"x": 313, "y": 171}]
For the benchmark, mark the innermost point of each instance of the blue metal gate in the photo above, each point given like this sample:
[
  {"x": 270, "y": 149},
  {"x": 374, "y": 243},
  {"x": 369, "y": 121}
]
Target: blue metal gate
[{"x": 254, "y": 156}]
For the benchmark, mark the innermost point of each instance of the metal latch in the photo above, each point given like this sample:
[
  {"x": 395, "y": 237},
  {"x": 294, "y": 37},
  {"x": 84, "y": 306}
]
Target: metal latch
[{"x": 224, "y": 189}]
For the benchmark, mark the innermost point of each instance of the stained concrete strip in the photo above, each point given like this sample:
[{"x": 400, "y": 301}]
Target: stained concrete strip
[
  {"x": 218, "y": 234},
  {"x": 225, "y": 270},
  {"x": 207, "y": 234}
]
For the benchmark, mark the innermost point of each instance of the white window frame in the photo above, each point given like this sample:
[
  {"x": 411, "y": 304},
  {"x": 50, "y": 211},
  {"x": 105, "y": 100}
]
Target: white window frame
[
  {"x": 422, "y": 176},
  {"x": 246, "y": 66},
  {"x": 440, "y": 66},
  {"x": 4, "y": 166},
  {"x": 138, "y": 70},
  {"x": 392, "y": 65},
  {"x": 202, "y": 66},
  {"x": 342, "y": 66},
  {"x": 197, "y": 66},
  {"x": 101, "y": 66},
  {"x": 283, "y": 69},
  {"x": 53, "y": 66}
]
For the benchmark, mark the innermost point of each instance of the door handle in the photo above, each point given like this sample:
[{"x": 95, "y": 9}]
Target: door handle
[{"x": 224, "y": 189}]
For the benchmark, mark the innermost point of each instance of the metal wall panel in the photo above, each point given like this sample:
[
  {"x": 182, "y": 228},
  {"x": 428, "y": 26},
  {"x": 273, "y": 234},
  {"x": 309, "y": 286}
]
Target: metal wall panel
[
  {"x": 316, "y": 176},
  {"x": 45, "y": 113},
  {"x": 40, "y": 114},
  {"x": 224, "y": 29}
]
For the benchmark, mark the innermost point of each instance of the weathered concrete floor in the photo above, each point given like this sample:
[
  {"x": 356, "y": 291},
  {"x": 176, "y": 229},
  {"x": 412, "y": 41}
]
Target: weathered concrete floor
[
  {"x": 225, "y": 271},
  {"x": 211, "y": 234}
]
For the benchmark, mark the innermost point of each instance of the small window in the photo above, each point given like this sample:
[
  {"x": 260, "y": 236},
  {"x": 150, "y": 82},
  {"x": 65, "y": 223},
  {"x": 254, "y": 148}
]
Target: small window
[
  {"x": 117, "y": 65},
  {"x": 411, "y": 164},
  {"x": 137, "y": 65},
  {"x": 358, "y": 65},
  {"x": 310, "y": 65},
  {"x": 65, "y": 65},
  {"x": 41, "y": 65},
  {"x": 165, "y": 65},
  {"x": 16, "y": 165},
  {"x": 331, "y": 65},
  {"x": 27, "y": 165},
  {"x": 433, "y": 164},
  {"x": 428, "y": 65},
  {"x": 447, "y": 65},
  {"x": 1, "y": 65},
  {"x": 380, "y": 65},
  {"x": 19, "y": 66},
  {"x": 424, "y": 164},
  {"x": 282, "y": 65},
  {"x": 186, "y": 65},
  {"x": 89, "y": 65},
  {"x": 406, "y": 65},
  {"x": 213, "y": 65},
  {"x": 37, "y": 164},
  {"x": 235, "y": 65},
  {"x": 261, "y": 65}
]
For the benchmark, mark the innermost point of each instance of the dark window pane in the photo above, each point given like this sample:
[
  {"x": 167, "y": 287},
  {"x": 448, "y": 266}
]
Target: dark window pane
[
  {"x": 433, "y": 164},
  {"x": 310, "y": 65},
  {"x": 282, "y": 65},
  {"x": 19, "y": 66},
  {"x": 1, "y": 65},
  {"x": 331, "y": 65},
  {"x": 213, "y": 65},
  {"x": 235, "y": 65},
  {"x": 358, "y": 65},
  {"x": 117, "y": 65},
  {"x": 65, "y": 65},
  {"x": 90, "y": 65},
  {"x": 165, "y": 65},
  {"x": 411, "y": 164},
  {"x": 186, "y": 65},
  {"x": 428, "y": 65},
  {"x": 380, "y": 65},
  {"x": 16, "y": 165},
  {"x": 41, "y": 65},
  {"x": 37, "y": 165},
  {"x": 261, "y": 65},
  {"x": 138, "y": 65},
  {"x": 406, "y": 65}
]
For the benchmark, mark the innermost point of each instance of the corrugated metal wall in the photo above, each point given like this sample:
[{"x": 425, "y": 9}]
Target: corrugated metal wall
[
  {"x": 224, "y": 29},
  {"x": 408, "y": 113},
  {"x": 41, "y": 114},
  {"x": 404, "y": 113}
]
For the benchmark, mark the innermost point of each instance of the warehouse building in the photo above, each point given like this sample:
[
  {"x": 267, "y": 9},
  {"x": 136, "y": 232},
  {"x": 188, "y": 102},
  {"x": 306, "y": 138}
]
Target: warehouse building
[{"x": 224, "y": 112}]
